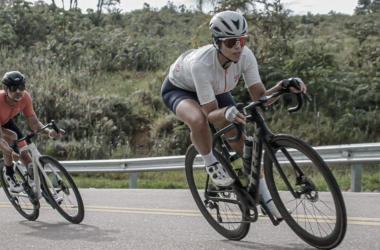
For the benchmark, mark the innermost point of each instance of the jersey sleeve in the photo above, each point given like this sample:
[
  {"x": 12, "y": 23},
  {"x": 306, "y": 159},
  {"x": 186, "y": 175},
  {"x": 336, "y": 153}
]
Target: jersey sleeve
[
  {"x": 203, "y": 84},
  {"x": 251, "y": 70},
  {"x": 28, "y": 109}
]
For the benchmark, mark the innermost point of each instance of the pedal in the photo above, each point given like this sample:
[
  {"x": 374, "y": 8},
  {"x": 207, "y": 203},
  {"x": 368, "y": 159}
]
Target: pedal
[{"x": 266, "y": 211}]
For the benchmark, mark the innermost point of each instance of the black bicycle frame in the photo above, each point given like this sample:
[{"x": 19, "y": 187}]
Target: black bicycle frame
[{"x": 262, "y": 137}]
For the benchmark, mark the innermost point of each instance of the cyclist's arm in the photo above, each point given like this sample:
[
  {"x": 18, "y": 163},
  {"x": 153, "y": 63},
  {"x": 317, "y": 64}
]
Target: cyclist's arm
[
  {"x": 216, "y": 115},
  {"x": 258, "y": 90},
  {"x": 34, "y": 124}
]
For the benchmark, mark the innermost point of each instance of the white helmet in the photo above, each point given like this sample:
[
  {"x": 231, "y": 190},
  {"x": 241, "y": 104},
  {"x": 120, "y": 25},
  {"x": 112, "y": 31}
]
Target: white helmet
[{"x": 228, "y": 24}]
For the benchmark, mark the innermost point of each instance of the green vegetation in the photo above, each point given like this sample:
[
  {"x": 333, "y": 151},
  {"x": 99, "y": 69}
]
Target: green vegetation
[
  {"x": 99, "y": 74},
  {"x": 177, "y": 179}
]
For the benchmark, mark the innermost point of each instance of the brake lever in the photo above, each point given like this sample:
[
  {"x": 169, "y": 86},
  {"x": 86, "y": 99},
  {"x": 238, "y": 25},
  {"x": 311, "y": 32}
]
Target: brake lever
[
  {"x": 308, "y": 97},
  {"x": 55, "y": 126}
]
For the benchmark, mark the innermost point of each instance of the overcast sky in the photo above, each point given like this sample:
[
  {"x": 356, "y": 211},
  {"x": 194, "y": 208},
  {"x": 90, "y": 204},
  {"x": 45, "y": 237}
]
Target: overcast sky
[{"x": 299, "y": 7}]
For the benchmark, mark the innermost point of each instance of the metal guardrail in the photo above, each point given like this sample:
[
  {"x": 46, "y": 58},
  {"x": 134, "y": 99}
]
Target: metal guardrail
[{"x": 351, "y": 154}]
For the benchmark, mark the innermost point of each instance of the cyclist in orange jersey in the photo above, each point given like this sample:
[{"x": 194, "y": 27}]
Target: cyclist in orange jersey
[{"x": 14, "y": 100}]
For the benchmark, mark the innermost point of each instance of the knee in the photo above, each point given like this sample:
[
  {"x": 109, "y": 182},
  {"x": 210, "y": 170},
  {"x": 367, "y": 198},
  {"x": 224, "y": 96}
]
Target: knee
[
  {"x": 25, "y": 156},
  {"x": 198, "y": 123}
]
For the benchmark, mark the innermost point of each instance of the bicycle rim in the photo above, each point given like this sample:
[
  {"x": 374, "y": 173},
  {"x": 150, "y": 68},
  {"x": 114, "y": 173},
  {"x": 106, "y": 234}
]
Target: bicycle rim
[
  {"x": 318, "y": 215},
  {"x": 24, "y": 202},
  {"x": 61, "y": 185},
  {"x": 219, "y": 206}
]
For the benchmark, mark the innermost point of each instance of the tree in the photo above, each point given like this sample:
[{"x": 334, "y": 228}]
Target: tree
[
  {"x": 107, "y": 4},
  {"x": 316, "y": 67},
  {"x": 245, "y": 6},
  {"x": 363, "y": 28},
  {"x": 367, "y": 6}
]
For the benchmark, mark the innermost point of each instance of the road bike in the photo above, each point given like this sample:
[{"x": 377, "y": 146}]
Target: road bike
[
  {"x": 302, "y": 186},
  {"x": 48, "y": 179}
]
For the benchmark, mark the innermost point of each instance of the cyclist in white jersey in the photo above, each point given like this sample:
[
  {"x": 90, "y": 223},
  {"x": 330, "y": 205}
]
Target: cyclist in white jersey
[
  {"x": 198, "y": 68},
  {"x": 198, "y": 87}
]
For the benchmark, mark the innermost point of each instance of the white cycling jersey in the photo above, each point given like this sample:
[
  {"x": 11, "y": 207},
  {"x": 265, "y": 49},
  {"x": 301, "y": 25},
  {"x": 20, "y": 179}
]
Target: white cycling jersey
[{"x": 199, "y": 70}]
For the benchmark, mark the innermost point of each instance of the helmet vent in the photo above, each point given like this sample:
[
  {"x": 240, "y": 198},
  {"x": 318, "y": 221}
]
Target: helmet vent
[
  {"x": 226, "y": 24},
  {"x": 217, "y": 29},
  {"x": 236, "y": 23}
]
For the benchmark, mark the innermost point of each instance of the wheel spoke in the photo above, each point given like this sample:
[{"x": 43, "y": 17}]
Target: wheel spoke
[
  {"x": 62, "y": 190},
  {"x": 25, "y": 203},
  {"x": 220, "y": 206},
  {"x": 318, "y": 214}
]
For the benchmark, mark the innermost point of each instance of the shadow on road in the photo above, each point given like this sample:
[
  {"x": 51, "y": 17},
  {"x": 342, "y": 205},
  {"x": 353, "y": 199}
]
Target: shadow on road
[
  {"x": 255, "y": 245},
  {"x": 66, "y": 231}
]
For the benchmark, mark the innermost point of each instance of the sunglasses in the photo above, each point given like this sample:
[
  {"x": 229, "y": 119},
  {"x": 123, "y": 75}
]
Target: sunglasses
[
  {"x": 14, "y": 88},
  {"x": 231, "y": 42}
]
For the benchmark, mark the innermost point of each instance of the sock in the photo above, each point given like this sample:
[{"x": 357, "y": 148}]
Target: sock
[
  {"x": 9, "y": 170},
  {"x": 209, "y": 159},
  {"x": 264, "y": 190}
]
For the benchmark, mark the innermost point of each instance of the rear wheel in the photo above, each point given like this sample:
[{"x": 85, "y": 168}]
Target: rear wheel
[
  {"x": 61, "y": 190},
  {"x": 25, "y": 202},
  {"x": 220, "y": 206},
  {"x": 304, "y": 184}
]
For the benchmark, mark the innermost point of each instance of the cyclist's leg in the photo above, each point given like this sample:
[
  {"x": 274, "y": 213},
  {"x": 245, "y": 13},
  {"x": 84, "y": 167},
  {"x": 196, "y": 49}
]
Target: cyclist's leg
[
  {"x": 12, "y": 127},
  {"x": 10, "y": 176},
  {"x": 191, "y": 113},
  {"x": 185, "y": 105},
  {"x": 11, "y": 132},
  {"x": 9, "y": 136}
]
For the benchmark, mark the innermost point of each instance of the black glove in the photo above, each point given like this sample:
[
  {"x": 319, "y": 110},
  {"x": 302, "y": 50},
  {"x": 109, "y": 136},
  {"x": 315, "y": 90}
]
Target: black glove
[{"x": 291, "y": 82}]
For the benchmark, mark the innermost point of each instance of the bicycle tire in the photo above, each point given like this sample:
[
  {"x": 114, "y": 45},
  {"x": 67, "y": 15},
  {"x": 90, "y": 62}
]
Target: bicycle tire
[
  {"x": 229, "y": 221},
  {"x": 71, "y": 207},
  {"x": 318, "y": 218},
  {"x": 25, "y": 202}
]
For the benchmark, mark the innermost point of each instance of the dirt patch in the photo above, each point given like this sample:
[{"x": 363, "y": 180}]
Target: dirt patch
[{"x": 141, "y": 143}]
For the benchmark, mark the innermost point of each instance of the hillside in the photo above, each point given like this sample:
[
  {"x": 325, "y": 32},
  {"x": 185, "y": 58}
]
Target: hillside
[{"x": 100, "y": 74}]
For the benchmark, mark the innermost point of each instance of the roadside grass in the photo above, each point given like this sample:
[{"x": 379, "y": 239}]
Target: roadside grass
[{"x": 177, "y": 179}]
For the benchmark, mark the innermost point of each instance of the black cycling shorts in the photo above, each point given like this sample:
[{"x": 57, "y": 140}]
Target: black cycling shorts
[
  {"x": 11, "y": 125},
  {"x": 172, "y": 96}
]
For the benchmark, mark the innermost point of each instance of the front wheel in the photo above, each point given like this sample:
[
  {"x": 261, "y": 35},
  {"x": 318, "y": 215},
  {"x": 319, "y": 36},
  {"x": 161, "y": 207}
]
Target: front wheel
[
  {"x": 61, "y": 190},
  {"x": 220, "y": 206},
  {"x": 25, "y": 202},
  {"x": 305, "y": 192}
]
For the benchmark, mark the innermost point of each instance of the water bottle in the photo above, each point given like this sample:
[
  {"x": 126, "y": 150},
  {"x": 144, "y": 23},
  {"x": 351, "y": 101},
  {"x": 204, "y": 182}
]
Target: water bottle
[
  {"x": 30, "y": 171},
  {"x": 247, "y": 156},
  {"x": 237, "y": 164}
]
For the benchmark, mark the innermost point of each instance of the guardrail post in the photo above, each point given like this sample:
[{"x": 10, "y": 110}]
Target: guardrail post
[
  {"x": 133, "y": 180},
  {"x": 356, "y": 178}
]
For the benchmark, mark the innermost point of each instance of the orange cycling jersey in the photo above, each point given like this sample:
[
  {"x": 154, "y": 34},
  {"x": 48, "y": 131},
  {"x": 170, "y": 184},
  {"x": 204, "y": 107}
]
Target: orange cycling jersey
[{"x": 7, "y": 112}]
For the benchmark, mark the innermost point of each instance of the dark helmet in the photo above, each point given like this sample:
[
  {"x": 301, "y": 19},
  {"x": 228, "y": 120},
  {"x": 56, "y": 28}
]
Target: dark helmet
[{"x": 13, "y": 78}]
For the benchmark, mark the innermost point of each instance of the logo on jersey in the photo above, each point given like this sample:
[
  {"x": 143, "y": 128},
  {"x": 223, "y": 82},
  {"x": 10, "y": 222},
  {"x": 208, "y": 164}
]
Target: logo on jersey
[
  {"x": 176, "y": 68},
  {"x": 205, "y": 98},
  {"x": 237, "y": 77}
]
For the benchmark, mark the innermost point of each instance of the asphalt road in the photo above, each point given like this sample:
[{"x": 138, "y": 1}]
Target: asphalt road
[{"x": 166, "y": 219}]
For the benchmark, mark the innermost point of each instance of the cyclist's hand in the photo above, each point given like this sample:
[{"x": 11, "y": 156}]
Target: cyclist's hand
[
  {"x": 294, "y": 84},
  {"x": 232, "y": 114},
  {"x": 55, "y": 135}
]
